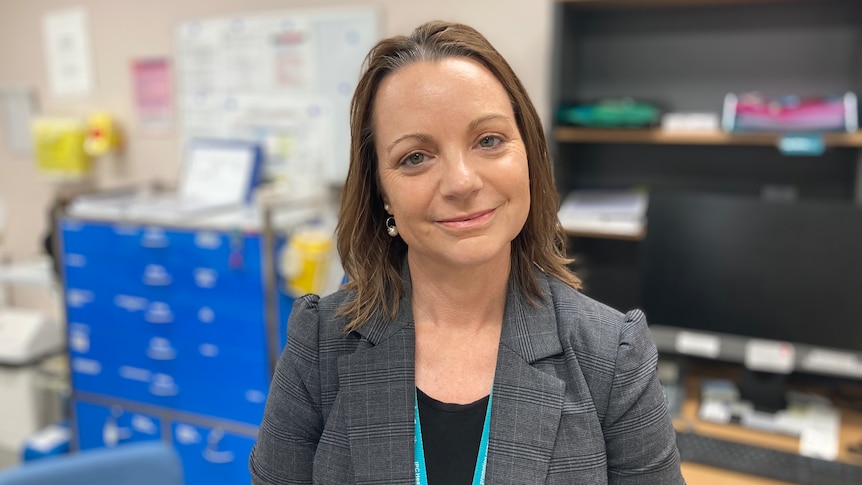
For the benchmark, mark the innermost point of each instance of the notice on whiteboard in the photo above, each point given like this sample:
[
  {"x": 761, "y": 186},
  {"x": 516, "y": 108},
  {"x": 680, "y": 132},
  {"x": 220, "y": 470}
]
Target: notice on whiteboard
[
  {"x": 153, "y": 89},
  {"x": 283, "y": 80},
  {"x": 67, "y": 51}
]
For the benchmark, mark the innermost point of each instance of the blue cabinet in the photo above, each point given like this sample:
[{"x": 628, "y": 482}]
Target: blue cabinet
[
  {"x": 171, "y": 320},
  {"x": 100, "y": 425},
  {"x": 211, "y": 455}
]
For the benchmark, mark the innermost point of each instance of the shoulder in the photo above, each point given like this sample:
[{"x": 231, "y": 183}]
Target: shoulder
[
  {"x": 584, "y": 318},
  {"x": 612, "y": 349},
  {"x": 318, "y": 314},
  {"x": 315, "y": 327},
  {"x": 605, "y": 339}
]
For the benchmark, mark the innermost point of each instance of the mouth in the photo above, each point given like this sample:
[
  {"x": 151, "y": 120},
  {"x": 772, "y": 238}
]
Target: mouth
[{"x": 476, "y": 217}]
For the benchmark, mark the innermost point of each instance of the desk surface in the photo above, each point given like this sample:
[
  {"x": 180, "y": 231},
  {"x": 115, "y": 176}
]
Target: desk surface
[{"x": 696, "y": 474}]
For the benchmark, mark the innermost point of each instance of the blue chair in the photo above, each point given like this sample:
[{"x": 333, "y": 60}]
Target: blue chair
[{"x": 146, "y": 463}]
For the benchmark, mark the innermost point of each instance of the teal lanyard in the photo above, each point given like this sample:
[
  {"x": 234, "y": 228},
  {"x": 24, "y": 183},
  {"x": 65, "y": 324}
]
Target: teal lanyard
[{"x": 419, "y": 451}]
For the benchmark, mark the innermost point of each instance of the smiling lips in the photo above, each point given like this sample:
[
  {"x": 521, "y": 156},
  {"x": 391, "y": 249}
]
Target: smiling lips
[{"x": 468, "y": 221}]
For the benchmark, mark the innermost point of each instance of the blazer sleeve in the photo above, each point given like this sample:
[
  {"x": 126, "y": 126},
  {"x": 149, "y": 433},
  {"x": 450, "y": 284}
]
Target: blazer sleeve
[
  {"x": 292, "y": 421},
  {"x": 640, "y": 438}
]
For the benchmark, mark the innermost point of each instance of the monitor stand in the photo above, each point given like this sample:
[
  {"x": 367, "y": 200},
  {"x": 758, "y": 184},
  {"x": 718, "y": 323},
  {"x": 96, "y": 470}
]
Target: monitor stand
[{"x": 765, "y": 390}]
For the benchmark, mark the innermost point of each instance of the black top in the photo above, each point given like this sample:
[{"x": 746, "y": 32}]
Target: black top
[{"x": 450, "y": 437}]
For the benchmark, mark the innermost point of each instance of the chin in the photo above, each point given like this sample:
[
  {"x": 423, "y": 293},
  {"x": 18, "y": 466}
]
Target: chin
[{"x": 479, "y": 254}]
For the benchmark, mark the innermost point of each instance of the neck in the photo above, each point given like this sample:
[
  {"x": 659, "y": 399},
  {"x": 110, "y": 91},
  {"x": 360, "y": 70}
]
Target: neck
[{"x": 459, "y": 298}]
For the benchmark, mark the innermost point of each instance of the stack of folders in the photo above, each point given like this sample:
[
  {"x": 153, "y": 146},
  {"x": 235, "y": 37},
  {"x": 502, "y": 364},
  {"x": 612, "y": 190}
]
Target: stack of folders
[{"x": 612, "y": 213}]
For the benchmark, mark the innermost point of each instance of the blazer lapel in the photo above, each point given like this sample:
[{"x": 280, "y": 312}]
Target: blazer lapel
[
  {"x": 527, "y": 403},
  {"x": 378, "y": 386}
]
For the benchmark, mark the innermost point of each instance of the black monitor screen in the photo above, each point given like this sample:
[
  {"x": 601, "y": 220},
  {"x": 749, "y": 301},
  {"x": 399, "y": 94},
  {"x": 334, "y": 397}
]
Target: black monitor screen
[{"x": 788, "y": 271}]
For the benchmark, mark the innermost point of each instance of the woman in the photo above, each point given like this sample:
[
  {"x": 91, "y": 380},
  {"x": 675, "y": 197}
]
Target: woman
[{"x": 460, "y": 330}]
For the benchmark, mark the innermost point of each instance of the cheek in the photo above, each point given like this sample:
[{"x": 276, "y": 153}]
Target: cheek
[
  {"x": 408, "y": 198},
  {"x": 520, "y": 180},
  {"x": 520, "y": 190}
]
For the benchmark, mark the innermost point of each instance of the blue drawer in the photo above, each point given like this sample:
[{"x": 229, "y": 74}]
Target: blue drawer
[
  {"x": 98, "y": 426},
  {"x": 144, "y": 243},
  {"x": 227, "y": 321},
  {"x": 93, "y": 375},
  {"x": 212, "y": 456},
  {"x": 219, "y": 250},
  {"x": 126, "y": 341},
  {"x": 92, "y": 271},
  {"x": 209, "y": 282},
  {"x": 125, "y": 381},
  {"x": 224, "y": 382},
  {"x": 88, "y": 306},
  {"x": 87, "y": 238}
]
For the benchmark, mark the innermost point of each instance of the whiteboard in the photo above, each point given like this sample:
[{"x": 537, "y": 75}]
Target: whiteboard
[{"x": 282, "y": 79}]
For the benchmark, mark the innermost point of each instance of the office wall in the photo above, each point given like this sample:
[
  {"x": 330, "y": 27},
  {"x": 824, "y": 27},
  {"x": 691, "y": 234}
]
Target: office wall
[{"x": 122, "y": 30}]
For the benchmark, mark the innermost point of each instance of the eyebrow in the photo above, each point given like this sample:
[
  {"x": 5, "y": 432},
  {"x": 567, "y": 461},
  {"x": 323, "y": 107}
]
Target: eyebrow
[
  {"x": 478, "y": 121},
  {"x": 424, "y": 137}
]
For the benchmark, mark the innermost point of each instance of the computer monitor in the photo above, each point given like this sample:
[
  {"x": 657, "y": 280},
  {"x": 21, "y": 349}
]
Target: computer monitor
[{"x": 776, "y": 286}]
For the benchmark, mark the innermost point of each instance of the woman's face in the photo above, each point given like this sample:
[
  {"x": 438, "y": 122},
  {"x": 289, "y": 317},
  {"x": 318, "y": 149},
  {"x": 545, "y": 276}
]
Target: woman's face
[{"x": 452, "y": 164}]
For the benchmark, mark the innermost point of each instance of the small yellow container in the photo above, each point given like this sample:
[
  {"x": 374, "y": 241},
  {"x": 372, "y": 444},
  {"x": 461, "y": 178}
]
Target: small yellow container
[{"x": 305, "y": 262}]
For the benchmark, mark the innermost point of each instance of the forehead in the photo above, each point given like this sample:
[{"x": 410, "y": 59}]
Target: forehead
[{"x": 448, "y": 86}]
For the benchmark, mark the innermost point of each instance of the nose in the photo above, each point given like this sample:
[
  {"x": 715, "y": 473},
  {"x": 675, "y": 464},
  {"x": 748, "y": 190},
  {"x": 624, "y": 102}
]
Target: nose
[{"x": 460, "y": 177}]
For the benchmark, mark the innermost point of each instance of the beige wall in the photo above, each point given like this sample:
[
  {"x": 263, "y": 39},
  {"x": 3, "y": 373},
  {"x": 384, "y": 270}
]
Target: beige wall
[{"x": 122, "y": 30}]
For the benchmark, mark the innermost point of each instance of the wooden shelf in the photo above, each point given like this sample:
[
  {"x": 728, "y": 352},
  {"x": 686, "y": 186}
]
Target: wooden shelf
[
  {"x": 607, "y": 235},
  {"x": 597, "y": 232},
  {"x": 659, "y": 137}
]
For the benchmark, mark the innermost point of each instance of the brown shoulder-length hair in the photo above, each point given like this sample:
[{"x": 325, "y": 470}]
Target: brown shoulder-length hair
[{"x": 371, "y": 259}]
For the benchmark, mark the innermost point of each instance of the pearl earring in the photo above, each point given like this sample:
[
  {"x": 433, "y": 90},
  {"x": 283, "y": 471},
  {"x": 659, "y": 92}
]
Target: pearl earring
[
  {"x": 386, "y": 207},
  {"x": 390, "y": 227}
]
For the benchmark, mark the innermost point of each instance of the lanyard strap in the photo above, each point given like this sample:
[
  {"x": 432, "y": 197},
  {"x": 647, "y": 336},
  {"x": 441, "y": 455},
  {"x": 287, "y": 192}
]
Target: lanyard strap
[{"x": 419, "y": 451}]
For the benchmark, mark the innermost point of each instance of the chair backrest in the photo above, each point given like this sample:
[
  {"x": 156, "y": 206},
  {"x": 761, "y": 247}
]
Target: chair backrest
[{"x": 130, "y": 464}]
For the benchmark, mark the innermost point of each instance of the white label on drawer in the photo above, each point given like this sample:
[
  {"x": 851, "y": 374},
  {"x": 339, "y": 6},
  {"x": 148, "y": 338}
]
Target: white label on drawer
[
  {"x": 208, "y": 350},
  {"x": 159, "y": 312},
  {"x": 130, "y": 303},
  {"x": 207, "y": 240},
  {"x": 206, "y": 315},
  {"x": 163, "y": 385},
  {"x": 144, "y": 424},
  {"x": 79, "y": 338},
  {"x": 205, "y": 277},
  {"x": 86, "y": 366},
  {"x": 769, "y": 356},
  {"x": 255, "y": 396},
  {"x": 76, "y": 260},
  {"x": 78, "y": 298},
  {"x": 156, "y": 275},
  {"x": 187, "y": 435},
  {"x": 698, "y": 344},
  {"x": 135, "y": 373},
  {"x": 154, "y": 237},
  {"x": 161, "y": 349}
]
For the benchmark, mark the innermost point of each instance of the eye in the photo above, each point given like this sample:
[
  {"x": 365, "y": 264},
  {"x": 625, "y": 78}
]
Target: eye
[
  {"x": 414, "y": 158},
  {"x": 490, "y": 141}
]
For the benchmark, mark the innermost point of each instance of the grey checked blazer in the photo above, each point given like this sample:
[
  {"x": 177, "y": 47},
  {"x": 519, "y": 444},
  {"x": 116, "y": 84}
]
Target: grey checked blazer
[{"x": 576, "y": 398}]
